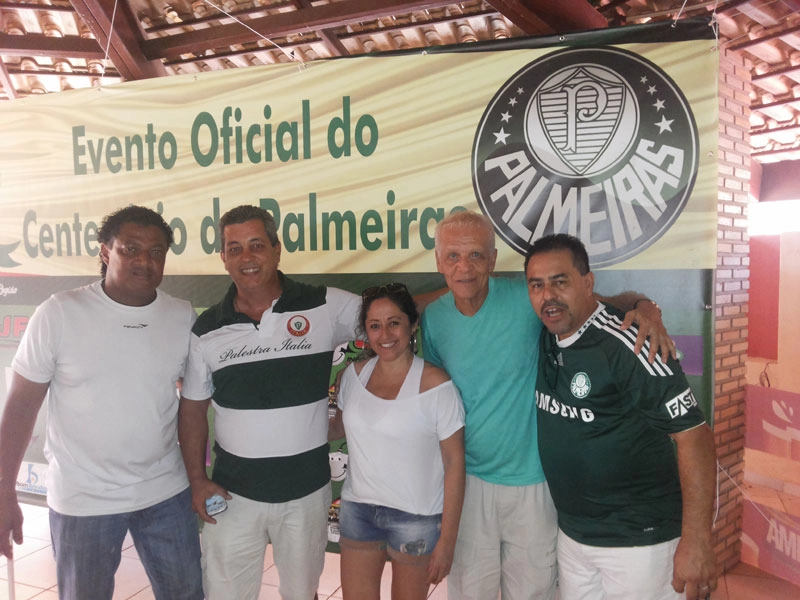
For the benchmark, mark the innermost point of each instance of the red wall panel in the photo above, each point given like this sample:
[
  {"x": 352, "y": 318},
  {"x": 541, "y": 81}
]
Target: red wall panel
[{"x": 765, "y": 258}]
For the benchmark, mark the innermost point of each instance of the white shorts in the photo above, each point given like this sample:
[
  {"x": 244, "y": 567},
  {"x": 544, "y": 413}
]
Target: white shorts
[
  {"x": 506, "y": 543},
  {"x": 233, "y": 549},
  {"x": 629, "y": 573}
]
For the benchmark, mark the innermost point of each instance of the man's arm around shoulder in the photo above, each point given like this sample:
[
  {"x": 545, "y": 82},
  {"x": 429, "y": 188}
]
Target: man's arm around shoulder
[{"x": 647, "y": 314}]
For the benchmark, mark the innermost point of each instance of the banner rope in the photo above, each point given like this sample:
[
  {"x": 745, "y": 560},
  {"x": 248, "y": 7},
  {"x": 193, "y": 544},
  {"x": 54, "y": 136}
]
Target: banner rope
[
  {"x": 108, "y": 41},
  {"x": 680, "y": 12},
  {"x": 714, "y": 24},
  {"x": 289, "y": 55}
]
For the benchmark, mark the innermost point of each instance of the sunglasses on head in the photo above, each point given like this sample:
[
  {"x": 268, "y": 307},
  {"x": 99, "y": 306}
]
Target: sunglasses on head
[{"x": 389, "y": 288}]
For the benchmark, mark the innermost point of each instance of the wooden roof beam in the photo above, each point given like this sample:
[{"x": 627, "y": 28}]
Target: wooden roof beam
[
  {"x": 124, "y": 51},
  {"x": 771, "y": 34},
  {"x": 776, "y": 151},
  {"x": 327, "y": 35},
  {"x": 550, "y": 16},
  {"x": 755, "y": 78},
  {"x": 8, "y": 84},
  {"x": 784, "y": 102},
  {"x": 37, "y": 7},
  {"x": 33, "y": 44},
  {"x": 324, "y": 16},
  {"x": 345, "y": 36}
]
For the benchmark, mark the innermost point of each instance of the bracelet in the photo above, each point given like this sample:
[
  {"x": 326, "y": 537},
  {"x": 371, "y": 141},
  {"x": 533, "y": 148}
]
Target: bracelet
[{"x": 653, "y": 302}]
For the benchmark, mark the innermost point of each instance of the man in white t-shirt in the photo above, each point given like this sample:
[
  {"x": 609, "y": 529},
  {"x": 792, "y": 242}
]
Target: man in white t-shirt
[{"x": 108, "y": 356}]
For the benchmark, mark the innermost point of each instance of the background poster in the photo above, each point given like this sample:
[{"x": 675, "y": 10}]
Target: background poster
[{"x": 613, "y": 139}]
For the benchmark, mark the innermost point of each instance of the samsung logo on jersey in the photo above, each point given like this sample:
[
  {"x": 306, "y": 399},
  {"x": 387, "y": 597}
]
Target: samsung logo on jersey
[
  {"x": 681, "y": 404},
  {"x": 554, "y": 407}
]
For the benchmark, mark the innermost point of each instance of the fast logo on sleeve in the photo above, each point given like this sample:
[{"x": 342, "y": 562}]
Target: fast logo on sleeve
[
  {"x": 680, "y": 405},
  {"x": 596, "y": 142}
]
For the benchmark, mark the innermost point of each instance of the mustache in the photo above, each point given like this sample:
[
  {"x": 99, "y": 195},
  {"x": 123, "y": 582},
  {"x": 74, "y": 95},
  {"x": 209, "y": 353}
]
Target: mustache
[{"x": 553, "y": 304}]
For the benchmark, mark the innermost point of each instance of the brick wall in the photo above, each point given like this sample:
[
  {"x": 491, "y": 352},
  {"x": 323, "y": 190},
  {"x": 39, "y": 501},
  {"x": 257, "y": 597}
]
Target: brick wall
[{"x": 731, "y": 299}]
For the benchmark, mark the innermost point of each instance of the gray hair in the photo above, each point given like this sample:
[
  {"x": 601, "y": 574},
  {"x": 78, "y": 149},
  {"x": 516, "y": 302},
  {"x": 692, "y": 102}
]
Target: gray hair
[{"x": 465, "y": 219}]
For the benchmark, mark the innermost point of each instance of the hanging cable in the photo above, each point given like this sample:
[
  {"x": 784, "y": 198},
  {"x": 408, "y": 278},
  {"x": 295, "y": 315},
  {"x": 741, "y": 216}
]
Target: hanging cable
[
  {"x": 680, "y": 12},
  {"x": 763, "y": 377},
  {"x": 714, "y": 24},
  {"x": 744, "y": 494},
  {"x": 289, "y": 55},
  {"x": 716, "y": 498},
  {"x": 108, "y": 41}
]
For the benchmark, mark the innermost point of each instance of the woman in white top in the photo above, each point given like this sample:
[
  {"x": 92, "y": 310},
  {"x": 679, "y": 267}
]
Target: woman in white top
[{"x": 404, "y": 423}]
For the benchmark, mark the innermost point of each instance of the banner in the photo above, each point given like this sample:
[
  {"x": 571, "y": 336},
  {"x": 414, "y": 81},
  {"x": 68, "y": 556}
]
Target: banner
[
  {"x": 771, "y": 541},
  {"x": 773, "y": 425},
  {"x": 359, "y": 158},
  {"x": 609, "y": 135}
]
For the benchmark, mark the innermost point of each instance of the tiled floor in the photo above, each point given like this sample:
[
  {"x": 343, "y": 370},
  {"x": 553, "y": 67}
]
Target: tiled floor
[{"x": 35, "y": 574}]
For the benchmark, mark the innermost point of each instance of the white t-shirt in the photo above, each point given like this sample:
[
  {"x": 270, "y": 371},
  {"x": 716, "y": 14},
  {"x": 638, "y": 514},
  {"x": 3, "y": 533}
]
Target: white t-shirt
[
  {"x": 393, "y": 445},
  {"x": 112, "y": 404}
]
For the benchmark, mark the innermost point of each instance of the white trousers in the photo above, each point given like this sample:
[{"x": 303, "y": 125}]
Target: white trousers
[
  {"x": 506, "y": 543},
  {"x": 233, "y": 549},
  {"x": 631, "y": 573}
]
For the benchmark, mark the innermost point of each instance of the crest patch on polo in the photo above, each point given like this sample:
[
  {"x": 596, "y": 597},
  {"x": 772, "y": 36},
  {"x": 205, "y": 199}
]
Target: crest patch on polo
[{"x": 298, "y": 325}]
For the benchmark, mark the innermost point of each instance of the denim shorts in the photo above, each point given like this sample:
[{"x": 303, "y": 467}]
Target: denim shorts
[{"x": 406, "y": 533}]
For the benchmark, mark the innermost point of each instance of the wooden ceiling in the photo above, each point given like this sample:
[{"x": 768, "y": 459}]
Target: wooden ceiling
[{"x": 50, "y": 46}]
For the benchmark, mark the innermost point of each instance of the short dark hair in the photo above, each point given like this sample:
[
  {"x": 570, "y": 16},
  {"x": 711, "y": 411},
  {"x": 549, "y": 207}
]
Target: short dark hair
[
  {"x": 138, "y": 215},
  {"x": 397, "y": 293},
  {"x": 245, "y": 213},
  {"x": 557, "y": 242}
]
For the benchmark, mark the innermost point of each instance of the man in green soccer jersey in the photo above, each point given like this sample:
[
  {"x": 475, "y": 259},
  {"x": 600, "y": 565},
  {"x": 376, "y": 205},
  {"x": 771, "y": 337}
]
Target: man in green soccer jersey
[{"x": 633, "y": 521}]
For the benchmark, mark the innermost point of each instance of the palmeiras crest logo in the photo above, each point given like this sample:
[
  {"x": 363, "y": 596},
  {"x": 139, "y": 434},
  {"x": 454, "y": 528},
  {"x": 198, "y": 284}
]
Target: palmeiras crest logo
[
  {"x": 298, "y": 325},
  {"x": 596, "y": 142},
  {"x": 580, "y": 386}
]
